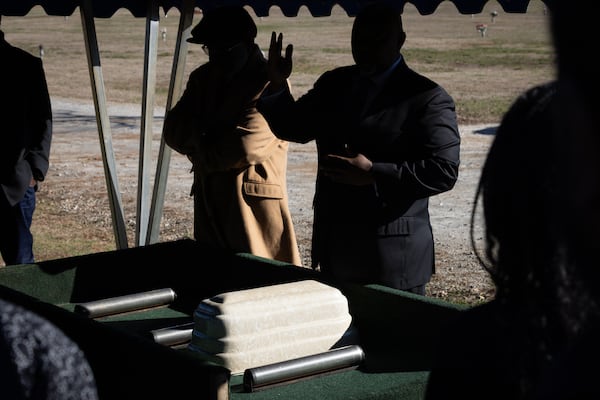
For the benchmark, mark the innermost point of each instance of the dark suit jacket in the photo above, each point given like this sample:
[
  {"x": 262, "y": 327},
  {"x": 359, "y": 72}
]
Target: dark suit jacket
[
  {"x": 25, "y": 121},
  {"x": 378, "y": 233}
]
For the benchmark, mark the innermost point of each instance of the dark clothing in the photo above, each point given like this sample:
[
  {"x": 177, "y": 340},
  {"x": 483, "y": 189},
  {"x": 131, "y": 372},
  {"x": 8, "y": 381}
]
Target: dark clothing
[
  {"x": 16, "y": 240},
  {"x": 377, "y": 233},
  {"x": 38, "y": 361},
  {"x": 25, "y": 137},
  {"x": 484, "y": 355},
  {"x": 477, "y": 357},
  {"x": 574, "y": 373},
  {"x": 537, "y": 338}
]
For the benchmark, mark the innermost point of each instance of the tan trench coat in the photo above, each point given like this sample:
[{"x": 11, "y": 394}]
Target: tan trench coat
[{"x": 240, "y": 193}]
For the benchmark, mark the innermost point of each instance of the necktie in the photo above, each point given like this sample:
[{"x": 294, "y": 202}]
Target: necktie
[{"x": 362, "y": 93}]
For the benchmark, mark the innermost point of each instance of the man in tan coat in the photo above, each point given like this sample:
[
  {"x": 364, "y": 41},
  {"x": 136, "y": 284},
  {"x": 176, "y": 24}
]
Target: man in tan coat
[{"x": 240, "y": 193}]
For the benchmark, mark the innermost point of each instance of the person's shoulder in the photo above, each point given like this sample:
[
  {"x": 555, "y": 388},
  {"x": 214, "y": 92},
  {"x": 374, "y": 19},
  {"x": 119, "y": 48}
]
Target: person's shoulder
[
  {"x": 539, "y": 94},
  {"x": 23, "y": 55},
  {"x": 339, "y": 73},
  {"x": 532, "y": 105},
  {"x": 407, "y": 78},
  {"x": 337, "y": 77},
  {"x": 18, "y": 62},
  {"x": 200, "y": 70}
]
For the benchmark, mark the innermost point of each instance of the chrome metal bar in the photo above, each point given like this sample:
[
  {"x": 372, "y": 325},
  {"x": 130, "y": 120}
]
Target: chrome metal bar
[
  {"x": 173, "y": 335},
  {"x": 303, "y": 367},
  {"x": 122, "y": 304}
]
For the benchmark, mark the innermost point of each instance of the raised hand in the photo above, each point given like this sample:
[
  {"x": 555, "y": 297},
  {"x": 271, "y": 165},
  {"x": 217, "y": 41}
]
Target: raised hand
[{"x": 279, "y": 68}]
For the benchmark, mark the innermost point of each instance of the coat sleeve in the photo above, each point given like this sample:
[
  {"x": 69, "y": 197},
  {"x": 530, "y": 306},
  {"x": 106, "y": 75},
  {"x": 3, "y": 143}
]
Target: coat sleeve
[
  {"x": 41, "y": 112},
  {"x": 433, "y": 167},
  {"x": 182, "y": 126},
  {"x": 250, "y": 142},
  {"x": 237, "y": 138},
  {"x": 289, "y": 119}
]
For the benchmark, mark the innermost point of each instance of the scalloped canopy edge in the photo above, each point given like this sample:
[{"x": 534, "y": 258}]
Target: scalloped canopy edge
[{"x": 289, "y": 8}]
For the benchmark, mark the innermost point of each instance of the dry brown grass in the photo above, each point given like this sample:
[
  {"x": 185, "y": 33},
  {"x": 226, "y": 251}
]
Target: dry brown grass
[{"x": 489, "y": 71}]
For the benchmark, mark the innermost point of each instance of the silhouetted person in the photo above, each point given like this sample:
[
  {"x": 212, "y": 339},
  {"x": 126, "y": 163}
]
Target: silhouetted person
[
  {"x": 387, "y": 139},
  {"x": 240, "y": 191},
  {"x": 574, "y": 30},
  {"x": 540, "y": 191},
  {"x": 499, "y": 350},
  {"x": 25, "y": 138}
]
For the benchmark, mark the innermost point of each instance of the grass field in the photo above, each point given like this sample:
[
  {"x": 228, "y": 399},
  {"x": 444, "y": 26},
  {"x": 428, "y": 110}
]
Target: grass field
[{"x": 484, "y": 74}]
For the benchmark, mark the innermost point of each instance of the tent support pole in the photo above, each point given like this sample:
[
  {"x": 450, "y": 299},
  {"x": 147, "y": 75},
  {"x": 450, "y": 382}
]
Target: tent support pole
[
  {"x": 104, "y": 133},
  {"x": 149, "y": 89},
  {"x": 175, "y": 86}
]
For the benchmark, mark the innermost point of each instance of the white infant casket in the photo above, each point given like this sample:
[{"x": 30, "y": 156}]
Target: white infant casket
[{"x": 255, "y": 327}]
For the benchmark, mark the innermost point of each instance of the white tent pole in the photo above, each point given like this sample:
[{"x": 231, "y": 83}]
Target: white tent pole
[
  {"x": 175, "y": 86},
  {"x": 149, "y": 88},
  {"x": 104, "y": 133}
]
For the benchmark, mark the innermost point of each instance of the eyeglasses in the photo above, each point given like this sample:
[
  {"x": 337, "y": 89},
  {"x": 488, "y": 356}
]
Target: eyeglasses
[{"x": 218, "y": 49}]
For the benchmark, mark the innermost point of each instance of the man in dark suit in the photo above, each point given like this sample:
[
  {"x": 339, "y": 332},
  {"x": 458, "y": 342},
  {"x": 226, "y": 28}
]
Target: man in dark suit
[
  {"x": 25, "y": 137},
  {"x": 387, "y": 140}
]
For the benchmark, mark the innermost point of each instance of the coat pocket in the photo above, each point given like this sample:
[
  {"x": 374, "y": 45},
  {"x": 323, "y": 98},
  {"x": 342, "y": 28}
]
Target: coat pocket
[
  {"x": 260, "y": 189},
  {"x": 260, "y": 180},
  {"x": 398, "y": 227}
]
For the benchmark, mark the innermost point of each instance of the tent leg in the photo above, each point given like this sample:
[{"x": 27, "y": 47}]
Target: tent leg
[
  {"x": 149, "y": 88},
  {"x": 164, "y": 155},
  {"x": 105, "y": 136}
]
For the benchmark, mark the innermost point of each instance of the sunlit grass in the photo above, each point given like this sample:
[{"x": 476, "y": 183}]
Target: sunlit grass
[{"x": 445, "y": 45}]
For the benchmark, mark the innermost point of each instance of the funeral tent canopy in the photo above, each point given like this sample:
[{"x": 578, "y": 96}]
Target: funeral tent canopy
[
  {"x": 317, "y": 8},
  {"x": 150, "y": 199}
]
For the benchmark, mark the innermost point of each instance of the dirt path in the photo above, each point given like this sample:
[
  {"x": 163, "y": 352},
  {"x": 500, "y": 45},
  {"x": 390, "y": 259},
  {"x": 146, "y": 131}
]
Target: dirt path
[{"x": 76, "y": 182}]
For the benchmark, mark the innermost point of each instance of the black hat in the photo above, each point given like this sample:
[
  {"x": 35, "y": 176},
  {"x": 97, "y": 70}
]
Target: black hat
[{"x": 228, "y": 24}]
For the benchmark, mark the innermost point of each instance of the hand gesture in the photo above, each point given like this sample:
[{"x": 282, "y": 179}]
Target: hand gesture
[
  {"x": 350, "y": 170},
  {"x": 279, "y": 68}
]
